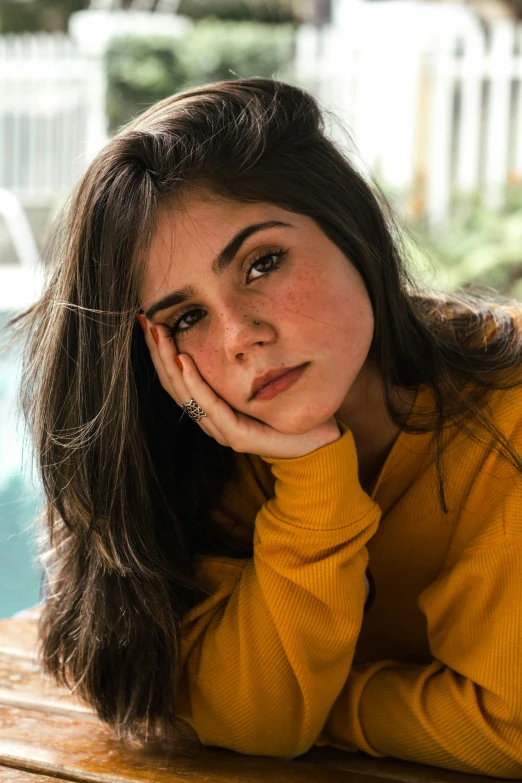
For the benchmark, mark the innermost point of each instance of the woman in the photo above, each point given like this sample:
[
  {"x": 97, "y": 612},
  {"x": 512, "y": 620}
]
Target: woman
[{"x": 322, "y": 544}]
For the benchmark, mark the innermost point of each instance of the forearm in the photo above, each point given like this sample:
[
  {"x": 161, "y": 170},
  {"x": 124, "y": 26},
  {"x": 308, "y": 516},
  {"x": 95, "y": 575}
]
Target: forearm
[
  {"x": 463, "y": 710},
  {"x": 428, "y": 714},
  {"x": 265, "y": 666}
]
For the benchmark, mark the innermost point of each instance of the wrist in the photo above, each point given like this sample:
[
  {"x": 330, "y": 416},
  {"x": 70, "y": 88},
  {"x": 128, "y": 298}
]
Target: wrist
[{"x": 326, "y": 478}]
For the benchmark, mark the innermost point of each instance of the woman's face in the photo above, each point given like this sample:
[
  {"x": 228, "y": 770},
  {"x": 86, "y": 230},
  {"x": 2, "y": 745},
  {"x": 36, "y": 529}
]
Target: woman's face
[{"x": 216, "y": 267}]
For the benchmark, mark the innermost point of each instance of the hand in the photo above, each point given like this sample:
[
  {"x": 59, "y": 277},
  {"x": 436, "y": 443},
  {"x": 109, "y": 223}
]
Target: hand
[{"x": 226, "y": 425}]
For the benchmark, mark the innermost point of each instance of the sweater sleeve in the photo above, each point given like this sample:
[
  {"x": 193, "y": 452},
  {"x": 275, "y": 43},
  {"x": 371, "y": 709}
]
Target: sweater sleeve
[
  {"x": 265, "y": 656},
  {"x": 463, "y": 711}
]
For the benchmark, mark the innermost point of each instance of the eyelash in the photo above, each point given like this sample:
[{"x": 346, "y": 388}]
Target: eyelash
[{"x": 174, "y": 329}]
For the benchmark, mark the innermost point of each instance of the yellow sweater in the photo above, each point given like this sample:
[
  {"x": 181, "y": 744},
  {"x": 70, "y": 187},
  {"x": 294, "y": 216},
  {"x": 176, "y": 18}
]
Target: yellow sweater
[{"x": 282, "y": 655}]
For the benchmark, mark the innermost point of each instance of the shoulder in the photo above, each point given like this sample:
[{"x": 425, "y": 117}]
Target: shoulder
[
  {"x": 501, "y": 419},
  {"x": 504, "y": 406},
  {"x": 482, "y": 475}
]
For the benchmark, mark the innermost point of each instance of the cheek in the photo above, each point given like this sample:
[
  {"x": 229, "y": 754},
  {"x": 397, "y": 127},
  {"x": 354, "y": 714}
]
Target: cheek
[
  {"x": 206, "y": 359},
  {"x": 301, "y": 305},
  {"x": 337, "y": 315},
  {"x": 211, "y": 366},
  {"x": 358, "y": 324}
]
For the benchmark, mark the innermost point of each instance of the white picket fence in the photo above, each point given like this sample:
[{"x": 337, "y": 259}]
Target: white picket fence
[
  {"x": 432, "y": 100},
  {"x": 51, "y": 114}
]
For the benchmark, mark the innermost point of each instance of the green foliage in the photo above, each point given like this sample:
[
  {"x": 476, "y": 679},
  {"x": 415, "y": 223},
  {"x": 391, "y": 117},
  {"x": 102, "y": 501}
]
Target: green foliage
[
  {"x": 22, "y": 16},
  {"x": 478, "y": 246},
  {"x": 143, "y": 70},
  {"x": 18, "y": 16},
  {"x": 270, "y": 11},
  {"x": 225, "y": 50},
  {"x": 140, "y": 71}
]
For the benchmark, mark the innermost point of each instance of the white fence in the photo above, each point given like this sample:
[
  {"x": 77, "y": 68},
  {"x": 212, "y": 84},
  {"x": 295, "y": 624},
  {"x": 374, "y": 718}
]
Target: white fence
[
  {"x": 51, "y": 114},
  {"x": 432, "y": 100},
  {"x": 52, "y": 98}
]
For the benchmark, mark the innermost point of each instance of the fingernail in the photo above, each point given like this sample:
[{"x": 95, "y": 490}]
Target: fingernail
[
  {"x": 178, "y": 362},
  {"x": 154, "y": 333},
  {"x": 142, "y": 322}
]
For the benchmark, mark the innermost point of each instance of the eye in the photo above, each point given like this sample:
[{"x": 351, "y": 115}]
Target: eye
[
  {"x": 185, "y": 322},
  {"x": 266, "y": 264},
  {"x": 263, "y": 266}
]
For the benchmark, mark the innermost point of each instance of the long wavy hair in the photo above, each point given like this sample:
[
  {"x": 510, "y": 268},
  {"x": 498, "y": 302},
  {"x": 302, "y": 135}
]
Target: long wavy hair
[{"x": 129, "y": 486}]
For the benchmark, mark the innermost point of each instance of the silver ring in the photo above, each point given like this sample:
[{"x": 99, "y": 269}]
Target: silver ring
[{"x": 193, "y": 410}]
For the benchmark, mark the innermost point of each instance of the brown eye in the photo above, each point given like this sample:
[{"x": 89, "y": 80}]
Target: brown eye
[
  {"x": 186, "y": 321},
  {"x": 266, "y": 264}
]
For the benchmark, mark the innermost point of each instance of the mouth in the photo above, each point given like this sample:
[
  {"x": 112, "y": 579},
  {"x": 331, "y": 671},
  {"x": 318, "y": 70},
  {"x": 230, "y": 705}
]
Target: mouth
[{"x": 273, "y": 383}]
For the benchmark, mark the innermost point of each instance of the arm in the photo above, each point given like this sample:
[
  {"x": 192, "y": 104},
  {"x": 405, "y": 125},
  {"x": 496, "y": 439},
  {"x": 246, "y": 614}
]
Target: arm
[
  {"x": 464, "y": 710},
  {"x": 265, "y": 657}
]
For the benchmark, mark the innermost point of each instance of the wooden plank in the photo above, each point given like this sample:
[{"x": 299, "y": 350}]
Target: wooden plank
[
  {"x": 18, "y": 638},
  {"x": 81, "y": 751},
  {"x": 390, "y": 769},
  {"x": 71, "y": 743},
  {"x": 22, "y": 684},
  {"x": 32, "y": 613},
  {"x": 11, "y": 775}
]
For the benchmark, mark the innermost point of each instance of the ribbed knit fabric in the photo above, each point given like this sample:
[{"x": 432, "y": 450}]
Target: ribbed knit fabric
[{"x": 282, "y": 656}]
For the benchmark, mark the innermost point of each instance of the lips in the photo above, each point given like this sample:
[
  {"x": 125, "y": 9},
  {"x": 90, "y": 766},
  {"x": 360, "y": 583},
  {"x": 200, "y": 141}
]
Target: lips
[{"x": 268, "y": 377}]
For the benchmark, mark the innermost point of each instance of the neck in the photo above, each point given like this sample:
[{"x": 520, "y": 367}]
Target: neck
[{"x": 364, "y": 411}]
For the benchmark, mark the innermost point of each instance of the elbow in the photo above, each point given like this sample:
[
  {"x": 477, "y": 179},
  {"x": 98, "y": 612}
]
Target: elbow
[
  {"x": 263, "y": 747},
  {"x": 502, "y": 767},
  {"x": 500, "y": 753},
  {"x": 259, "y": 724},
  {"x": 284, "y": 751},
  {"x": 259, "y": 741},
  {"x": 254, "y": 734},
  {"x": 503, "y": 764}
]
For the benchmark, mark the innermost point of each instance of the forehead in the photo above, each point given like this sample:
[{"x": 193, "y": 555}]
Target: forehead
[{"x": 189, "y": 235}]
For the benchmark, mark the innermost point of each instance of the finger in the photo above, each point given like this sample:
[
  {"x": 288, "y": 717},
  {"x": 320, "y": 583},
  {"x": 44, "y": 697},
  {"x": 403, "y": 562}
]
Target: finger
[
  {"x": 173, "y": 380},
  {"x": 176, "y": 390},
  {"x": 172, "y": 385},
  {"x": 221, "y": 420}
]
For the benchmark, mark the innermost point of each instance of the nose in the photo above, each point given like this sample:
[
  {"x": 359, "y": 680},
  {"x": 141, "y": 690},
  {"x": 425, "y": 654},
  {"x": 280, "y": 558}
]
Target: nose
[{"x": 245, "y": 332}]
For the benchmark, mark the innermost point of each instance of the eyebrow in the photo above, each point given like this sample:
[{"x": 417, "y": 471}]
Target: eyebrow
[{"x": 220, "y": 263}]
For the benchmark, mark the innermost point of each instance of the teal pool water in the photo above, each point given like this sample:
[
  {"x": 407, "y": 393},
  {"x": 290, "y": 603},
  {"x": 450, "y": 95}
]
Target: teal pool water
[{"x": 20, "y": 499}]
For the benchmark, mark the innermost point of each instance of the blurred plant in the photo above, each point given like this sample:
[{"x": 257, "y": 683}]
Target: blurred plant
[
  {"x": 270, "y": 11},
  {"x": 140, "y": 71},
  {"x": 225, "y": 50},
  {"x": 20, "y": 16},
  {"x": 478, "y": 246},
  {"x": 17, "y": 16},
  {"x": 143, "y": 70}
]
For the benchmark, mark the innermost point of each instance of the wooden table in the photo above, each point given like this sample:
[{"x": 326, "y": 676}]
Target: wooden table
[{"x": 45, "y": 735}]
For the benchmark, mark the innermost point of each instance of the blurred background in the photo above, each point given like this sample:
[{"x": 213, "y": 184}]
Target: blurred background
[{"x": 429, "y": 99}]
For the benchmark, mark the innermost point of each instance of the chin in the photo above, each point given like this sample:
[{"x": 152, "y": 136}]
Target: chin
[{"x": 297, "y": 422}]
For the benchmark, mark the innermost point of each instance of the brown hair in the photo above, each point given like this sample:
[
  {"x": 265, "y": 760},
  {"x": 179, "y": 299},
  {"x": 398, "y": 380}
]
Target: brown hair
[{"x": 129, "y": 485}]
